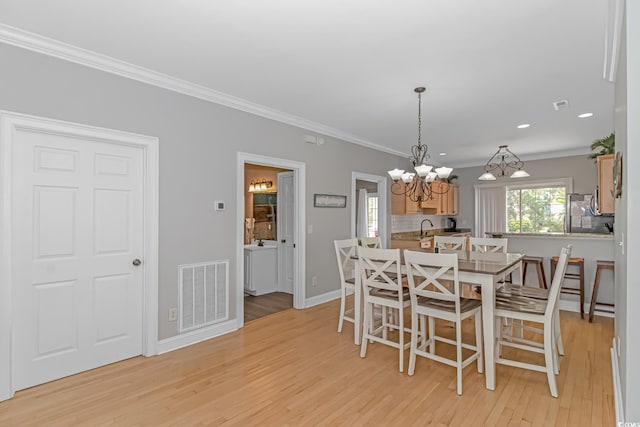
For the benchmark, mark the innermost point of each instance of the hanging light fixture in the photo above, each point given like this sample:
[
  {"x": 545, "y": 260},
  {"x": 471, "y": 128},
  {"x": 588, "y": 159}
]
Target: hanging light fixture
[
  {"x": 502, "y": 161},
  {"x": 261, "y": 185},
  {"x": 419, "y": 186}
]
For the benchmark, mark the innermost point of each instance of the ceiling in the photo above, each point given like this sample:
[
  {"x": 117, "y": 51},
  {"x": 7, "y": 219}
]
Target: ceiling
[{"x": 351, "y": 66}]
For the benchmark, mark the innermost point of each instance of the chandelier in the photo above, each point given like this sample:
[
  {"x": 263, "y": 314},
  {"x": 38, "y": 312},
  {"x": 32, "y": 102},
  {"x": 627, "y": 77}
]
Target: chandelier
[
  {"x": 501, "y": 162},
  {"x": 419, "y": 186}
]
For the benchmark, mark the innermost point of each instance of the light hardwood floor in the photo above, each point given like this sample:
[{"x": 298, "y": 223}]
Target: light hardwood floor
[{"x": 293, "y": 368}]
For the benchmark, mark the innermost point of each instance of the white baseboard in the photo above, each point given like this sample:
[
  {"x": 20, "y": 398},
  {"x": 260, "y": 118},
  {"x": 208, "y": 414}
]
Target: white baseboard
[
  {"x": 322, "y": 298},
  {"x": 617, "y": 388},
  {"x": 574, "y": 306},
  {"x": 194, "y": 337}
]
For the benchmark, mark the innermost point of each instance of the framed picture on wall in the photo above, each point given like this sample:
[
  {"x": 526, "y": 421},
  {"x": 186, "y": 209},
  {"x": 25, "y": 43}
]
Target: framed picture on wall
[{"x": 329, "y": 201}]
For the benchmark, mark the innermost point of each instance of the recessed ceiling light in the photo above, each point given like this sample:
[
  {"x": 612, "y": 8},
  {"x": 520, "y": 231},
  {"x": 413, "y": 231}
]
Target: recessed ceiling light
[
  {"x": 585, "y": 115},
  {"x": 524, "y": 126},
  {"x": 443, "y": 154}
]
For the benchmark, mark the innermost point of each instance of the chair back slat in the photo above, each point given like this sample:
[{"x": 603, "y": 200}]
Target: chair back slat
[
  {"x": 556, "y": 283},
  {"x": 427, "y": 272},
  {"x": 488, "y": 245},
  {"x": 456, "y": 243},
  {"x": 345, "y": 250},
  {"x": 371, "y": 242},
  {"x": 380, "y": 269}
]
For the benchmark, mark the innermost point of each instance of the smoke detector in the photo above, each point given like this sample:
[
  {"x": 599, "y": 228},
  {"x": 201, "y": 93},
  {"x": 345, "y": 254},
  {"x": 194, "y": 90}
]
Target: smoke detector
[{"x": 560, "y": 105}]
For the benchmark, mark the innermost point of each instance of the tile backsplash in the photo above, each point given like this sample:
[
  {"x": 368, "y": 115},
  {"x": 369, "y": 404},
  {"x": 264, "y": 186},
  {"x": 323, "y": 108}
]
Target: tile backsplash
[{"x": 401, "y": 223}]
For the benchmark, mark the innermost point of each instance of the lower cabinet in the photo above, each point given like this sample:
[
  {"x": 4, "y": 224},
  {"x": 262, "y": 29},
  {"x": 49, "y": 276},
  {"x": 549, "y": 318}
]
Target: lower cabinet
[{"x": 260, "y": 270}]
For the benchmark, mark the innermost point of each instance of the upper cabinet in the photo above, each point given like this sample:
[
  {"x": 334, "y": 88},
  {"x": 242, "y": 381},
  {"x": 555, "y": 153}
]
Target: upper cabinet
[
  {"x": 444, "y": 203},
  {"x": 606, "y": 201},
  {"x": 402, "y": 205}
]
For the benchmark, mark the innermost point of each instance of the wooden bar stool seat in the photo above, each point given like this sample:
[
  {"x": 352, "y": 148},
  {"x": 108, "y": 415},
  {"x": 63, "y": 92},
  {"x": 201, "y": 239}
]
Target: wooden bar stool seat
[
  {"x": 579, "y": 276},
  {"x": 537, "y": 262},
  {"x": 600, "y": 265}
]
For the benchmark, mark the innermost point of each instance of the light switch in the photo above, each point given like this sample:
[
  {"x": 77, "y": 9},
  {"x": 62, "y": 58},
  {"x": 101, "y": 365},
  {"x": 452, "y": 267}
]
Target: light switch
[{"x": 309, "y": 229}]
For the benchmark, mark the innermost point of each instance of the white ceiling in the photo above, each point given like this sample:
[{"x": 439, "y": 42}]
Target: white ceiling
[{"x": 352, "y": 65}]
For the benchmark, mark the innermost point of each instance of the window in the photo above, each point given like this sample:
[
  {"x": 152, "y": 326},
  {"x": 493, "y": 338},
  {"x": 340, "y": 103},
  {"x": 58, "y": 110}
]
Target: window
[
  {"x": 372, "y": 215},
  {"x": 539, "y": 209}
]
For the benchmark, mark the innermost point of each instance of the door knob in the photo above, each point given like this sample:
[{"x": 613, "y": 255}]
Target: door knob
[{"x": 137, "y": 262}]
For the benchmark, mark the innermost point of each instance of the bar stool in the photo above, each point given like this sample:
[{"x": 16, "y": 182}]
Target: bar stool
[
  {"x": 579, "y": 276},
  {"x": 537, "y": 262},
  {"x": 600, "y": 265}
]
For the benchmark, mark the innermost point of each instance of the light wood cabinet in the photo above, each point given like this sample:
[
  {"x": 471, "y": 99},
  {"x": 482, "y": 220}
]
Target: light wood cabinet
[
  {"x": 442, "y": 204},
  {"x": 402, "y": 205},
  {"x": 424, "y": 243},
  {"x": 606, "y": 201}
]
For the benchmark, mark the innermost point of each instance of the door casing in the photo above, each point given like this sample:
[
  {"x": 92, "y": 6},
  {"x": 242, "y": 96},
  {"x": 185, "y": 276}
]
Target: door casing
[
  {"x": 10, "y": 121},
  {"x": 298, "y": 169},
  {"x": 383, "y": 219}
]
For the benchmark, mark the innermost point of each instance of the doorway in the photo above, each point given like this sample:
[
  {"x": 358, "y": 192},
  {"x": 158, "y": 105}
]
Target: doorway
[
  {"x": 268, "y": 202},
  {"x": 369, "y": 211},
  {"x": 270, "y": 256}
]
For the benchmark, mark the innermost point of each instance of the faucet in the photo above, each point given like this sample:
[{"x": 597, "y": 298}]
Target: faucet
[{"x": 422, "y": 223}]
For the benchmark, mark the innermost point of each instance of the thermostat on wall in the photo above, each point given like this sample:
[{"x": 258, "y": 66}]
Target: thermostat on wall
[{"x": 219, "y": 205}]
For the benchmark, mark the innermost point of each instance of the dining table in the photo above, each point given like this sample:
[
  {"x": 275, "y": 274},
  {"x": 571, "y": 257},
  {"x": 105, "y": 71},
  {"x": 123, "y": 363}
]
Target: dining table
[{"x": 484, "y": 269}]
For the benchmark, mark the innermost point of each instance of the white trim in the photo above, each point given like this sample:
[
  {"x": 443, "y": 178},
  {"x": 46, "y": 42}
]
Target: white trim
[
  {"x": 618, "y": 404},
  {"x": 383, "y": 218},
  {"x": 574, "y": 307},
  {"x": 322, "y": 298},
  {"x": 193, "y": 337},
  {"x": 299, "y": 262},
  {"x": 57, "y": 49},
  {"x": 530, "y": 183},
  {"x": 9, "y": 121}
]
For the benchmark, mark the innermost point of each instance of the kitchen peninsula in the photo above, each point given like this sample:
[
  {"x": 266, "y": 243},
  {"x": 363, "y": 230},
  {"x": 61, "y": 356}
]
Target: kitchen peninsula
[{"x": 590, "y": 246}]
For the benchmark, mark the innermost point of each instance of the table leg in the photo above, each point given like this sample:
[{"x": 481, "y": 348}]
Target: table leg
[{"x": 488, "y": 309}]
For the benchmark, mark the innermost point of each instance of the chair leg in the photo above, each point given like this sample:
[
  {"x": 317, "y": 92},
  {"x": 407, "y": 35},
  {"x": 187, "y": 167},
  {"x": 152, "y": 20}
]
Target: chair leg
[
  {"x": 478, "y": 325},
  {"x": 498, "y": 329},
  {"x": 385, "y": 322},
  {"x": 558, "y": 332},
  {"x": 343, "y": 303},
  {"x": 365, "y": 329},
  {"x": 401, "y": 337},
  {"x": 459, "y": 357},
  {"x": 548, "y": 359},
  {"x": 423, "y": 327},
  {"x": 414, "y": 343},
  {"x": 432, "y": 334}
]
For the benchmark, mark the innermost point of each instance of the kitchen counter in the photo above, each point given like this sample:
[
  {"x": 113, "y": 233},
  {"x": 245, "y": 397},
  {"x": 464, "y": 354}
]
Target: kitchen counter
[
  {"x": 553, "y": 235},
  {"x": 415, "y": 235}
]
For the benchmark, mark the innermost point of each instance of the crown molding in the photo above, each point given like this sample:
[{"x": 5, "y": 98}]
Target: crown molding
[{"x": 57, "y": 49}]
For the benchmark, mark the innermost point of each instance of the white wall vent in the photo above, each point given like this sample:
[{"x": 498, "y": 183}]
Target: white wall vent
[{"x": 204, "y": 294}]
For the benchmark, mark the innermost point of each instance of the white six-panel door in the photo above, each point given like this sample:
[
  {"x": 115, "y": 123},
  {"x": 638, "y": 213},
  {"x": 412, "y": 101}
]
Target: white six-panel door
[{"x": 78, "y": 227}]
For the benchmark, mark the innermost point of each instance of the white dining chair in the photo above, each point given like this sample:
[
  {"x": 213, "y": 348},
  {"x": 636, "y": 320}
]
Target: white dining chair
[
  {"x": 371, "y": 242},
  {"x": 345, "y": 251},
  {"x": 488, "y": 245},
  {"x": 434, "y": 299},
  {"x": 527, "y": 309},
  {"x": 381, "y": 279},
  {"x": 456, "y": 243}
]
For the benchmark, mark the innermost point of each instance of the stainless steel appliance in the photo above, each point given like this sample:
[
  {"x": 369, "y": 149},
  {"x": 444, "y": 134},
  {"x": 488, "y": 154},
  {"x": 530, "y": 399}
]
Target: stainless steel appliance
[{"x": 580, "y": 216}]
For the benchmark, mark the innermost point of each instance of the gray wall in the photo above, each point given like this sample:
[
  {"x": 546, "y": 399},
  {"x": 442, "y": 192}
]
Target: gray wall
[
  {"x": 583, "y": 170},
  {"x": 199, "y": 142},
  {"x": 627, "y": 230}
]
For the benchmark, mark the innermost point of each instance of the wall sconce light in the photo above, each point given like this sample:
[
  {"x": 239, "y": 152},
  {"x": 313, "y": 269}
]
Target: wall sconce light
[{"x": 261, "y": 185}]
